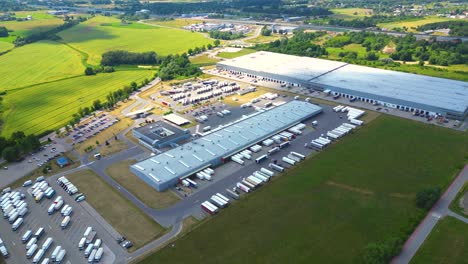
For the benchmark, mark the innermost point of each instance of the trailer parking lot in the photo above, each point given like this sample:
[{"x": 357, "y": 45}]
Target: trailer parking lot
[{"x": 68, "y": 238}]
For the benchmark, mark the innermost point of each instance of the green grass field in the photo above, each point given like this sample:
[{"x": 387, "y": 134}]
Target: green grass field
[
  {"x": 39, "y": 62},
  {"x": 231, "y": 55},
  {"x": 122, "y": 214},
  {"x": 447, "y": 244},
  {"x": 51, "y": 105},
  {"x": 358, "y": 48},
  {"x": 351, "y": 13},
  {"x": 41, "y": 22},
  {"x": 176, "y": 23},
  {"x": 203, "y": 60},
  {"x": 264, "y": 39},
  {"x": 101, "y": 34},
  {"x": 4, "y": 46},
  {"x": 411, "y": 24},
  {"x": 328, "y": 208}
]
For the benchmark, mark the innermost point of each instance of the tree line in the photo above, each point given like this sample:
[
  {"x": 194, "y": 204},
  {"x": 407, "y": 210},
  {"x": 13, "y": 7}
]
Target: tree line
[
  {"x": 119, "y": 57},
  {"x": 226, "y": 35},
  {"x": 17, "y": 145},
  {"x": 300, "y": 44}
]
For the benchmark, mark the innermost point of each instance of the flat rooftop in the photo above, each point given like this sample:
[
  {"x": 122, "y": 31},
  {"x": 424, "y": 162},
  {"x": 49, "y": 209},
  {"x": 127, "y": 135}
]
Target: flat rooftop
[
  {"x": 437, "y": 92},
  {"x": 222, "y": 142},
  {"x": 160, "y": 131},
  {"x": 302, "y": 68}
]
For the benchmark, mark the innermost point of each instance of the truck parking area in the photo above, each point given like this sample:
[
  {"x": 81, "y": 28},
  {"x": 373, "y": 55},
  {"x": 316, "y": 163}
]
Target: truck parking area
[{"x": 62, "y": 232}]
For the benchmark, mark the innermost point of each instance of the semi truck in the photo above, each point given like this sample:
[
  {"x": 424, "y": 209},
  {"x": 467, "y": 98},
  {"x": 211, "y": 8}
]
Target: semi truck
[
  {"x": 232, "y": 194},
  {"x": 299, "y": 155},
  {"x": 276, "y": 167},
  {"x": 288, "y": 161},
  {"x": 267, "y": 172},
  {"x": 261, "y": 158},
  {"x": 243, "y": 187},
  {"x": 223, "y": 197}
]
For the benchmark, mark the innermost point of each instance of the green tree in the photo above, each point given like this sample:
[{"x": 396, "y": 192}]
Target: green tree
[
  {"x": 3, "y": 32},
  {"x": 427, "y": 197},
  {"x": 10, "y": 154},
  {"x": 89, "y": 71},
  {"x": 217, "y": 42}
]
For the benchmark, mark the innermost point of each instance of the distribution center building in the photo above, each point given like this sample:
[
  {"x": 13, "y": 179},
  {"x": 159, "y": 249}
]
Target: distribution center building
[
  {"x": 167, "y": 169},
  {"x": 160, "y": 135},
  {"x": 404, "y": 91}
]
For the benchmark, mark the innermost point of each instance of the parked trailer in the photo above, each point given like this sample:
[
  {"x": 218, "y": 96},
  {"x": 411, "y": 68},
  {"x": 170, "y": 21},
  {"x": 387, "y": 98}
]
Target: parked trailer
[
  {"x": 223, "y": 197},
  {"x": 209, "y": 207},
  {"x": 261, "y": 158},
  {"x": 192, "y": 183},
  {"x": 186, "y": 183},
  {"x": 299, "y": 155},
  {"x": 242, "y": 187},
  {"x": 267, "y": 172},
  {"x": 256, "y": 148},
  {"x": 316, "y": 145},
  {"x": 261, "y": 176},
  {"x": 276, "y": 167},
  {"x": 31, "y": 242},
  {"x": 99, "y": 254},
  {"x": 254, "y": 183},
  {"x": 332, "y": 135},
  {"x": 237, "y": 160},
  {"x": 17, "y": 223},
  {"x": 284, "y": 144},
  {"x": 55, "y": 252},
  {"x": 268, "y": 142},
  {"x": 218, "y": 201},
  {"x": 349, "y": 125},
  {"x": 245, "y": 155},
  {"x": 46, "y": 261},
  {"x": 13, "y": 217},
  {"x": 91, "y": 256},
  {"x": 356, "y": 122},
  {"x": 208, "y": 171},
  {"x": 254, "y": 180},
  {"x": 31, "y": 251},
  {"x": 248, "y": 184},
  {"x": 47, "y": 243},
  {"x": 26, "y": 236},
  {"x": 289, "y": 161},
  {"x": 65, "y": 222},
  {"x": 88, "y": 250},
  {"x": 292, "y": 157},
  {"x": 295, "y": 131},
  {"x": 60, "y": 256},
  {"x": 325, "y": 140},
  {"x": 232, "y": 194}
]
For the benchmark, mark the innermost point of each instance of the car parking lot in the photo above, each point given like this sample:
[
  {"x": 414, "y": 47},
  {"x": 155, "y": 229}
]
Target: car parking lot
[
  {"x": 68, "y": 238},
  {"x": 92, "y": 127}
]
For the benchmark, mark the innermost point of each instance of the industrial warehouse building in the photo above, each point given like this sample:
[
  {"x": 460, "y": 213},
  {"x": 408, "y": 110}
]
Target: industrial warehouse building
[
  {"x": 165, "y": 170},
  {"x": 404, "y": 91},
  {"x": 160, "y": 135}
]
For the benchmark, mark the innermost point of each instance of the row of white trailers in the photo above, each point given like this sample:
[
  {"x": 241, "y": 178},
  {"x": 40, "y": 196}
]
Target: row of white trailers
[
  {"x": 334, "y": 134},
  {"x": 352, "y": 114},
  {"x": 186, "y": 99}
]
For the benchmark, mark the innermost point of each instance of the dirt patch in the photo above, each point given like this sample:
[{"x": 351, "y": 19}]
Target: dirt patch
[
  {"x": 350, "y": 188},
  {"x": 402, "y": 195},
  {"x": 388, "y": 50}
]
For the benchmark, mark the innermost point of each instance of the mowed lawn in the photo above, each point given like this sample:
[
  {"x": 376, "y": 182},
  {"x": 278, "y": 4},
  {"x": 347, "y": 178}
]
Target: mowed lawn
[
  {"x": 327, "y": 209},
  {"x": 232, "y": 55},
  {"x": 351, "y": 13},
  {"x": 51, "y": 105},
  {"x": 447, "y": 244},
  {"x": 38, "y": 62},
  {"x": 41, "y": 21},
  {"x": 122, "y": 214},
  {"x": 101, "y": 34},
  {"x": 5, "y": 46}
]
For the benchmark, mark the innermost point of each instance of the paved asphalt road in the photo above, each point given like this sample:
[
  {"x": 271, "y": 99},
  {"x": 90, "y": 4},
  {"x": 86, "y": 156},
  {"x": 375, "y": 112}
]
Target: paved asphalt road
[{"x": 439, "y": 210}]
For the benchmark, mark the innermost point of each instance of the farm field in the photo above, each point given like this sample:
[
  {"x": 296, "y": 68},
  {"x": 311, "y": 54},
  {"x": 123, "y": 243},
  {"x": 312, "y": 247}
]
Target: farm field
[
  {"x": 51, "y": 105},
  {"x": 446, "y": 244},
  {"x": 330, "y": 215},
  {"x": 264, "y": 39},
  {"x": 176, "y": 23},
  {"x": 39, "y": 62},
  {"x": 101, "y": 34},
  {"x": 4, "y": 46},
  {"x": 231, "y": 55},
  {"x": 351, "y": 13},
  {"x": 122, "y": 214},
  {"x": 41, "y": 22},
  {"x": 203, "y": 60},
  {"x": 413, "y": 23}
]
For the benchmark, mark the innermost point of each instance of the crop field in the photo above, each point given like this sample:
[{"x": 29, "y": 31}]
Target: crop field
[
  {"x": 351, "y": 13},
  {"x": 51, "y": 105},
  {"x": 41, "y": 22},
  {"x": 122, "y": 214},
  {"x": 4, "y": 46},
  {"x": 231, "y": 55},
  {"x": 39, "y": 62},
  {"x": 101, "y": 34},
  {"x": 176, "y": 23},
  {"x": 446, "y": 244},
  {"x": 264, "y": 39},
  {"x": 332, "y": 205},
  {"x": 411, "y": 24},
  {"x": 203, "y": 60}
]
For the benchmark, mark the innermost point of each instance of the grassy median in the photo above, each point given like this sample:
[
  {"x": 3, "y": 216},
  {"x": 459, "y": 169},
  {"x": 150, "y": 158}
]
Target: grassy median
[
  {"x": 124, "y": 216},
  {"x": 148, "y": 195}
]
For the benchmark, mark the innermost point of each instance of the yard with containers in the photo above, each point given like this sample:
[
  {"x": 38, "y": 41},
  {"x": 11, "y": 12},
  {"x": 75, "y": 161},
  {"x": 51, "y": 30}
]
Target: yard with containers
[{"x": 332, "y": 205}]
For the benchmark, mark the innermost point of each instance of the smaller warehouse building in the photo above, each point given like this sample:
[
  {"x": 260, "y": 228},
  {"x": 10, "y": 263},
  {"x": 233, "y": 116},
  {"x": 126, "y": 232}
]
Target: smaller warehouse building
[
  {"x": 160, "y": 135},
  {"x": 176, "y": 119},
  {"x": 165, "y": 170}
]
